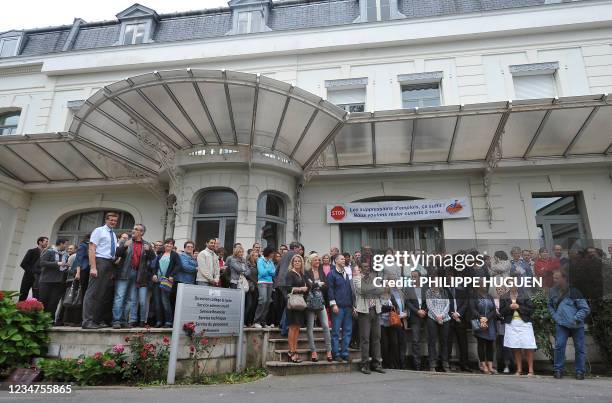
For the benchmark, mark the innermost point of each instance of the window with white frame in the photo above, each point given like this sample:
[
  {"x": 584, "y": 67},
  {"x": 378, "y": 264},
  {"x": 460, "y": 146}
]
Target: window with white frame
[
  {"x": 420, "y": 95},
  {"x": 9, "y": 122},
  {"x": 249, "y": 21},
  {"x": 535, "y": 80},
  {"x": 351, "y": 100},
  {"x": 8, "y": 46},
  {"x": 134, "y": 33},
  {"x": 271, "y": 219},
  {"x": 378, "y": 10}
]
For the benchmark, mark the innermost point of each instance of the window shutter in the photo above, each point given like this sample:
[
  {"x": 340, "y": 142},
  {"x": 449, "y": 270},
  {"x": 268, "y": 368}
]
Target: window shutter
[
  {"x": 534, "y": 86},
  {"x": 348, "y": 96}
]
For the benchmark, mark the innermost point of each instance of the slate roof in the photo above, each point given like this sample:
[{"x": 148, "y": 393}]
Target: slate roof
[{"x": 284, "y": 15}]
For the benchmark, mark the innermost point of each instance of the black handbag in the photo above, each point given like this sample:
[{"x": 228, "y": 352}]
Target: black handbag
[
  {"x": 314, "y": 300},
  {"x": 73, "y": 297}
]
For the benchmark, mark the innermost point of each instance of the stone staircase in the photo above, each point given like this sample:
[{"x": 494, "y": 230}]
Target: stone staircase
[{"x": 277, "y": 362}]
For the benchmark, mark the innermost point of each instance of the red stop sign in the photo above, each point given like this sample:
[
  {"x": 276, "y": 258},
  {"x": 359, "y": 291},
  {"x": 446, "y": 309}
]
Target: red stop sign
[{"x": 338, "y": 213}]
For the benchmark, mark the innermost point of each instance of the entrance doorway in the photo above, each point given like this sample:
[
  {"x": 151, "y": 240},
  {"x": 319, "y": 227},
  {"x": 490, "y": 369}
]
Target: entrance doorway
[
  {"x": 403, "y": 236},
  {"x": 215, "y": 217},
  {"x": 560, "y": 220}
]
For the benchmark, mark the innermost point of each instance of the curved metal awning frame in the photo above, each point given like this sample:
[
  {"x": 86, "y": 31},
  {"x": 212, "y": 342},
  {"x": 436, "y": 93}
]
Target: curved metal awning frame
[
  {"x": 170, "y": 112},
  {"x": 144, "y": 125}
]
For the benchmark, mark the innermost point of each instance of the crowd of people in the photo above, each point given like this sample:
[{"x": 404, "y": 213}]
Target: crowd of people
[{"x": 125, "y": 281}]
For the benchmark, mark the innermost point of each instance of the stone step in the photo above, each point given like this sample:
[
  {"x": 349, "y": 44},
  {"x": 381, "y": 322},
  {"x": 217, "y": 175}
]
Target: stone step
[
  {"x": 304, "y": 353},
  {"x": 283, "y": 368},
  {"x": 283, "y": 344}
]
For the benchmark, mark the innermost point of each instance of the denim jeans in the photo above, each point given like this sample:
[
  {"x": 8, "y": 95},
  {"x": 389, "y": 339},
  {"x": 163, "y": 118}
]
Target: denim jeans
[
  {"x": 140, "y": 311},
  {"x": 163, "y": 306},
  {"x": 263, "y": 303},
  {"x": 341, "y": 320},
  {"x": 125, "y": 298},
  {"x": 310, "y": 322},
  {"x": 561, "y": 335}
]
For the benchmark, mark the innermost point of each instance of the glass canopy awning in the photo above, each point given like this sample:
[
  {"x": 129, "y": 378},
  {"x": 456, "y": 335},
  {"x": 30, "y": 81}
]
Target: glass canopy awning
[
  {"x": 129, "y": 128},
  {"x": 539, "y": 128}
]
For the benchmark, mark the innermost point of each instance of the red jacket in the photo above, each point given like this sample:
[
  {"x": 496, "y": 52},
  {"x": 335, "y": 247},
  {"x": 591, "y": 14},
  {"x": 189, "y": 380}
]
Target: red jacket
[{"x": 544, "y": 268}]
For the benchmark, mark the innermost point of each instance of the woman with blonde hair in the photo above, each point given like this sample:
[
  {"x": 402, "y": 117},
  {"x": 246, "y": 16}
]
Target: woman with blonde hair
[
  {"x": 238, "y": 267},
  {"x": 316, "y": 281},
  {"x": 295, "y": 283}
]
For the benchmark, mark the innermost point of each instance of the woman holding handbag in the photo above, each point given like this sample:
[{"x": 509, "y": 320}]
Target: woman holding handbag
[
  {"x": 483, "y": 326},
  {"x": 167, "y": 263},
  {"x": 296, "y": 305},
  {"x": 316, "y": 304}
]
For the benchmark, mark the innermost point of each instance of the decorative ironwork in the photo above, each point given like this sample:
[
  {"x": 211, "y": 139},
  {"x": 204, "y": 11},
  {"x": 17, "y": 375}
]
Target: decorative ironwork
[
  {"x": 297, "y": 211},
  {"x": 491, "y": 162},
  {"x": 313, "y": 170},
  {"x": 166, "y": 156}
]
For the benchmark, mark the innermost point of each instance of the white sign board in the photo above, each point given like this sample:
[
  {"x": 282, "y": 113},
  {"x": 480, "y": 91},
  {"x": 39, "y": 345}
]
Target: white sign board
[
  {"x": 218, "y": 311},
  {"x": 407, "y": 210}
]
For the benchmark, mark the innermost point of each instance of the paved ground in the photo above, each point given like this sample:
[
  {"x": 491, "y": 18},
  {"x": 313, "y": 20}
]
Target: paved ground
[{"x": 398, "y": 386}]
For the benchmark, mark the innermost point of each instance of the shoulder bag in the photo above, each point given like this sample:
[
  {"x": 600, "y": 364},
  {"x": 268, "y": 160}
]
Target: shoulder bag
[
  {"x": 296, "y": 302},
  {"x": 314, "y": 300}
]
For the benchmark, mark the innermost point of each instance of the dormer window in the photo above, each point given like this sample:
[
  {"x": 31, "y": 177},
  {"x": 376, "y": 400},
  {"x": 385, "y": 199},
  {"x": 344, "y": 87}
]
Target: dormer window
[
  {"x": 249, "y": 16},
  {"x": 137, "y": 25},
  {"x": 249, "y": 21},
  {"x": 134, "y": 33},
  {"x": 10, "y": 43},
  {"x": 378, "y": 10},
  {"x": 8, "y": 46}
]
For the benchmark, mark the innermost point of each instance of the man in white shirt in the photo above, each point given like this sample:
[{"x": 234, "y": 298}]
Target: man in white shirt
[
  {"x": 208, "y": 265},
  {"x": 102, "y": 248}
]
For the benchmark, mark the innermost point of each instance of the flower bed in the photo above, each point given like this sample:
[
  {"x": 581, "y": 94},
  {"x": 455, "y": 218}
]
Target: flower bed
[{"x": 23, "y": 331}]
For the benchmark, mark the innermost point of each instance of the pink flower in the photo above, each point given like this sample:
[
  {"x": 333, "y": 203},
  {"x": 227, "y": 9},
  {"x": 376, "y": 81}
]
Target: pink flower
[
  {"x": 109, "y": 364},
  {"x": 192, "y": 348},
  {"x": 97, "y": 356},
  {"x": 29, "y": 305},
  {"x": 118, "y": 348},
  {"x": 166, "y": 340},
  {"x": 143, "y": 355},
  {"x": 203, "y": 342}
]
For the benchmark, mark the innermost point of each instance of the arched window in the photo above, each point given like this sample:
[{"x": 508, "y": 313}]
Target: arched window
[
  {"x": 271, "y": 219},
  {"x": 76, "y": 226},
  {"x": 215, "y": 217},
  {"x": 9, "y": 122}
]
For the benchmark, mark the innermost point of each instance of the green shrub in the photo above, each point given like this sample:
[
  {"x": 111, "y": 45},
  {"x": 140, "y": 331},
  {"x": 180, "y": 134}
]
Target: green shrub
[
  {"x": 601, "y": 315},
  {"x": 148, "y": 361},
  {"x": 100, "y": 368},
  {"x": 23, "y": 331},
  {"x": 543, "y": 325}
]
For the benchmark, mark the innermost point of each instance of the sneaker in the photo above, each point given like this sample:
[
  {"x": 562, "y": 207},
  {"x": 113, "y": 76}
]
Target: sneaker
[
  {"x": 506, "y": 370},
  {"x": 339, "y": 360},
  {"x": 257, "y": 326},
  {"x": 116, "y": 325},
  {"x": 580, "y": 376},
  {"x": 365, "y": 370}
]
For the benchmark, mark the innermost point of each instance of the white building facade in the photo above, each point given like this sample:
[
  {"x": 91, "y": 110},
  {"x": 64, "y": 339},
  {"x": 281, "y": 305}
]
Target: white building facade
[{"x": 252, "y": 121}]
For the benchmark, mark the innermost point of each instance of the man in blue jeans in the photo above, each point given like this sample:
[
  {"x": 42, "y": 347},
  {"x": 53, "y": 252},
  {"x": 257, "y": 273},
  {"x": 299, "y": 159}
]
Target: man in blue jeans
[
  {"x": 341, "y": 301},
  {"x": 568, "y": 309}
]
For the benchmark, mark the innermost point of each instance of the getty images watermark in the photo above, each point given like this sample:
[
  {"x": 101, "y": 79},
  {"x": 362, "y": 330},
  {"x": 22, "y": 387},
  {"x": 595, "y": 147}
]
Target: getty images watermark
[{"x": 458, "y": 261}]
